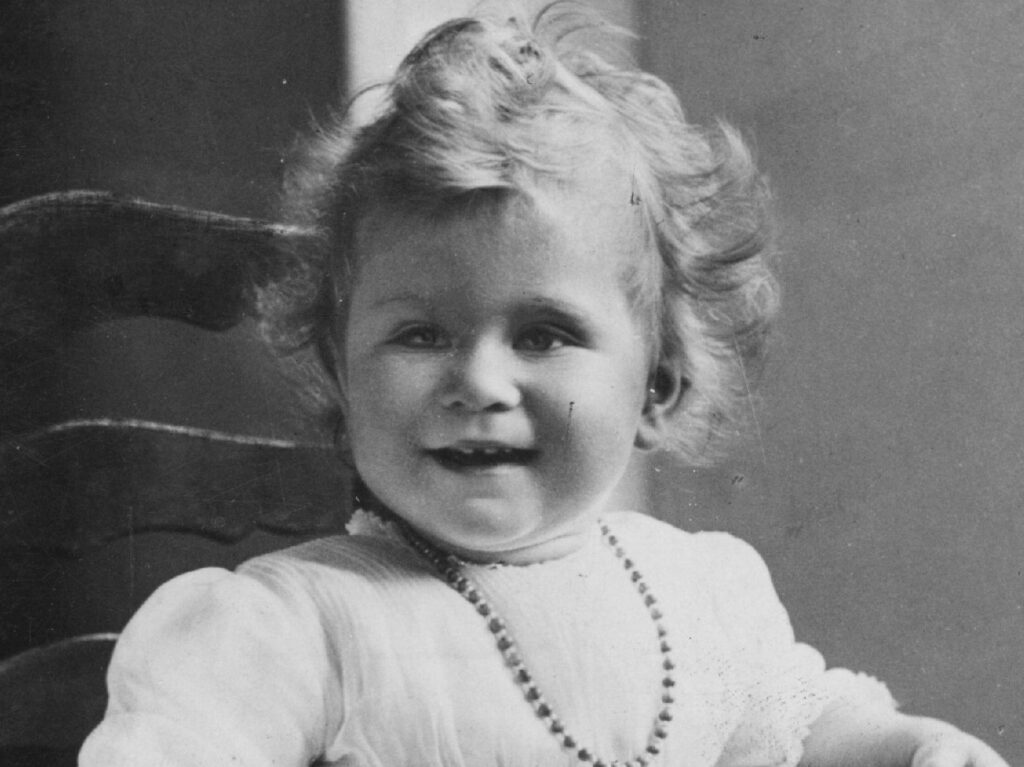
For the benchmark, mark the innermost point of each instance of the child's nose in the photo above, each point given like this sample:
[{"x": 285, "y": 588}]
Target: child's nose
[{"x": 481, "y": 377}]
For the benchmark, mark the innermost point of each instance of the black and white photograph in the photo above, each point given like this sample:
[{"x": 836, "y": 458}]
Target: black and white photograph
[{"x": 511, "y": 383}]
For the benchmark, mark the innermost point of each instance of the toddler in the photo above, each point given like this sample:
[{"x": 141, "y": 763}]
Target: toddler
[{"x": 530, "y": 266}]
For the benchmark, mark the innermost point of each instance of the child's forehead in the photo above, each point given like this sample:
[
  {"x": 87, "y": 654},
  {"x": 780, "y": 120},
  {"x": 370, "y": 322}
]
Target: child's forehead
[
  {"x": 508, "y": 247},
  {"x": 598, "y": 195},
  {"x": 520, "y": 241}
]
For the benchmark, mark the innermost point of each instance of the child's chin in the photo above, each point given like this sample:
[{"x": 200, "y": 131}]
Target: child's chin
[
  {"x": 484, "y": 528},
  {"x": 515, "y": 540}
]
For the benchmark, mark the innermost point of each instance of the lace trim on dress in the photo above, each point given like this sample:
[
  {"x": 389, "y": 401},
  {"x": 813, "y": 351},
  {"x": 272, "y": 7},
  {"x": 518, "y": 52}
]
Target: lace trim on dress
[
  {"x": 364, "y": 522},
  {"x": 858, "y": 687}
]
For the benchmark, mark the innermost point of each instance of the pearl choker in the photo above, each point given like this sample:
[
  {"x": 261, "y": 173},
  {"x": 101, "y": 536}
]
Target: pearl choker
[{"x": 452, "y": 570}]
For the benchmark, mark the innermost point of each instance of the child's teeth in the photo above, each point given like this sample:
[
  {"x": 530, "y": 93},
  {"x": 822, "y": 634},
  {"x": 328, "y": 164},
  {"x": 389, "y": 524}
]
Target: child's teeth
[{"x": 489, "y": 455}]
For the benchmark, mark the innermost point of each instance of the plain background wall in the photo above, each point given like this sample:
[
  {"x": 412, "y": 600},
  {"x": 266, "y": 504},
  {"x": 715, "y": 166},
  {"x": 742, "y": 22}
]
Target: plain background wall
[
  {"x": 885, "y": 487},
  {"x": 189, "y": 102}
]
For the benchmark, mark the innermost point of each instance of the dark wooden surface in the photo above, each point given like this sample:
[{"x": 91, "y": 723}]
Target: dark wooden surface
[
  {"x": 74, "y": 487},
  {"x": 50, "y": 699},
  {"x": 68, "y": 490},
  {"x": 72, "y": 260},
  {"x": 75, "y": 259}
]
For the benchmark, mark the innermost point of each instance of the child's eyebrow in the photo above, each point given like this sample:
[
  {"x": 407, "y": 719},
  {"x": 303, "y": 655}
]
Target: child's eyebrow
[
  {"x": 407, "y": 297},
  {"x": 557, "y": 306}
]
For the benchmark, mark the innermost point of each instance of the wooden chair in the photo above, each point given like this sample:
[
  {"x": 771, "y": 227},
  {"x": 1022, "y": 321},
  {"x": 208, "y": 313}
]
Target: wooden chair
[
  {"x": 50, "y": 699},
  {"x": 76, "y": 484}
]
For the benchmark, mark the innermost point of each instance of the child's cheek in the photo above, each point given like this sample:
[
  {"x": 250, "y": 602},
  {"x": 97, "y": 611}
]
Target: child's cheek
[
  {"x": 401, "y": 388},
  {"x": 595, "y": 411}
]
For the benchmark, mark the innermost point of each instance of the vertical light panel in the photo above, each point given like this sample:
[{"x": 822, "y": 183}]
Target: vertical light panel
[{"x": 380, "y": 32}]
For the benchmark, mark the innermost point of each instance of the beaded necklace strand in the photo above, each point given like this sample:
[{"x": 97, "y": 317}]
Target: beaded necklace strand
[{"x": 452, "y": 571}]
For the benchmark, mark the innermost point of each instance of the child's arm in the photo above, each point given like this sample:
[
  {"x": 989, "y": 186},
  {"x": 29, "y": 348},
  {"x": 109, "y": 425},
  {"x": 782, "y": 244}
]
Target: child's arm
[
  {"x": 851, "y": 735},
  {"x": 215, "y": 669}
]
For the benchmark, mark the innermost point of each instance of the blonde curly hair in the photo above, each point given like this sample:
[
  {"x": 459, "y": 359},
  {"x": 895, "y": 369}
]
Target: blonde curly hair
[{"x": 488, "y": 105}]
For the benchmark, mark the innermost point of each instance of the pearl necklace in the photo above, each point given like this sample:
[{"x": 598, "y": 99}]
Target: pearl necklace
[{"x": 452, "y": 571}]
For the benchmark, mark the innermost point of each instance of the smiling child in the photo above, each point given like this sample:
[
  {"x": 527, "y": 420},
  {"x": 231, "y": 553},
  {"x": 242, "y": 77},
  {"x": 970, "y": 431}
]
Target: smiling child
[{"x": 531, "y": 266}]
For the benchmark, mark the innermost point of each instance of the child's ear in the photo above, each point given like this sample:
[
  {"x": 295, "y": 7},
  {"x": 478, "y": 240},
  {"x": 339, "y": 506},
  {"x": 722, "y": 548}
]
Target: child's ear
[{"x": 666, "y": 390}]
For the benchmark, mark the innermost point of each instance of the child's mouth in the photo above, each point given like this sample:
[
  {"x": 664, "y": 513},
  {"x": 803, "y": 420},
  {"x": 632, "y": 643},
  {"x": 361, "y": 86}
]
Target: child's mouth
[{"x": 482, "y": 457}]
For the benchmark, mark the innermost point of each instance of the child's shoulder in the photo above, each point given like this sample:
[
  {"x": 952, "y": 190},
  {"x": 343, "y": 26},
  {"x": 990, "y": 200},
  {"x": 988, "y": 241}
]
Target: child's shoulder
[
  {"x": 722, "y": 562},
  {"x": 284, "y": 576},
  {"x": 653, "y": 534},
  {"x": 718, "y": 569},
  {"x": 354, "y": 557}
]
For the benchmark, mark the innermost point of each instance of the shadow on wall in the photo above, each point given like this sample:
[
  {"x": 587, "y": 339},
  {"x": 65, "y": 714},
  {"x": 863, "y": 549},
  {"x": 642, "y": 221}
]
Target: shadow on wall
[{"x": 884, "y": 486}]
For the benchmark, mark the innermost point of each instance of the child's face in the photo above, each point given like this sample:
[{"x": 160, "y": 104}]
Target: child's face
[{"x": 495, "y": 372}]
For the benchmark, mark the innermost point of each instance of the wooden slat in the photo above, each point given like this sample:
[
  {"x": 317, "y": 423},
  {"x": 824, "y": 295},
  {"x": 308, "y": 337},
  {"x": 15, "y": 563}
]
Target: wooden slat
[
  {"x": 51, "y": 697},
  {"x": 74, "y": 489},
  {"x": 73, "y": 259}
]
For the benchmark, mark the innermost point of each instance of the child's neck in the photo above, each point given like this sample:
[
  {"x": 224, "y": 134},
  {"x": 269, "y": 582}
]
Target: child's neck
[
  {"x": 550, "y": 549},
  {"x": 556, "y": 547}
]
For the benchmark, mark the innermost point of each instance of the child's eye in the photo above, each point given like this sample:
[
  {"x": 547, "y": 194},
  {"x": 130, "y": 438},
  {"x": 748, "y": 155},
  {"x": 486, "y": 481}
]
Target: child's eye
[
  {"x": 419, "y": 337},
  {"x": 542, "y": 339}
]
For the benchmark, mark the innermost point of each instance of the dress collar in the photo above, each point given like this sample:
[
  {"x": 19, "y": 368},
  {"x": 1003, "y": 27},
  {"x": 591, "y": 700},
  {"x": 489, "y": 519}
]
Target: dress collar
[{"x": 367, "y": 523}]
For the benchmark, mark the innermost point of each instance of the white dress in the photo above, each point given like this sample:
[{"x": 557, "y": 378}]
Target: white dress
[{"x": 351, "y": 651}]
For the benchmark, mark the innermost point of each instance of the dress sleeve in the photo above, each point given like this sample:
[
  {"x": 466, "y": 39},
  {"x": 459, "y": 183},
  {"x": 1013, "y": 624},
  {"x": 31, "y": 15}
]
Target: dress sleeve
[
  {"x": 216, "y": 668},
  {"x": 783, "y": 684}
]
